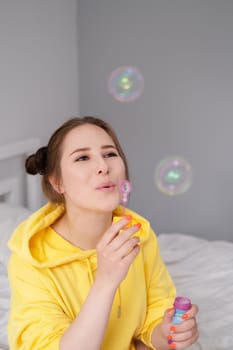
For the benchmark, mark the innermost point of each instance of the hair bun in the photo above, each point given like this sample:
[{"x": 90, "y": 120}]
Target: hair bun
[{"x": 37, "y": 163}]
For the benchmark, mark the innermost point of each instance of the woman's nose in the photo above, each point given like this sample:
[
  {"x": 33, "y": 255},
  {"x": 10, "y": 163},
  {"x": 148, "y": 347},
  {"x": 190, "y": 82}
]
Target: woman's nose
[{"x": 102, "y": 167}]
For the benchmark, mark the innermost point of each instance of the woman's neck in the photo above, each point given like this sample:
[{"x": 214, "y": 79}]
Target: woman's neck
[{"x": 84, "y": 229}]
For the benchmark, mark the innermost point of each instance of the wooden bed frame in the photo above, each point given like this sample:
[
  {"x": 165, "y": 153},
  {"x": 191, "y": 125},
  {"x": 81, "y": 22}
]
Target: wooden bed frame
[{"x": 11, "y": 186}]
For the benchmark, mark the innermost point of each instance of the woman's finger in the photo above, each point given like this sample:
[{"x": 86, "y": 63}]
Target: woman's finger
[
  {"x": 119, "y": 240},
  {"x": 192, "y": 312},
  {"x": 180, "y": 345},
  {"x": 184, "y": 336},
  {"x": 128, "y": 259},
  {"x": 126, "y": 248},
  {"x": 113, "y": 230}
]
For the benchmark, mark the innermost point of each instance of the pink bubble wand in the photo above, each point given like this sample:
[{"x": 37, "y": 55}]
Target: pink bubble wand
[{"x": 125, "y": 189}]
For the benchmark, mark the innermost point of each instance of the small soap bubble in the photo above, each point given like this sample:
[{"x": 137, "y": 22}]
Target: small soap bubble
[
  {"x": 126, "y": 83},
  {"x": 173, "y": 176}
]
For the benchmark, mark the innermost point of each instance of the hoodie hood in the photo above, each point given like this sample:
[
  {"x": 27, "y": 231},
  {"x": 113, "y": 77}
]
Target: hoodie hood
[{"x": 38, "y": 244}]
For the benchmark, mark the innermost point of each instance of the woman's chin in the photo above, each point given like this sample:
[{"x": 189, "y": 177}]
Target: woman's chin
[{"x": 109, "y": 207}]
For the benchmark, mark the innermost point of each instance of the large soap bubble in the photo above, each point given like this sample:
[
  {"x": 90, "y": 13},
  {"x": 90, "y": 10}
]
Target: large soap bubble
[
  {"x": 126, "y": 83},
  {"x": 173, "y": 176}
]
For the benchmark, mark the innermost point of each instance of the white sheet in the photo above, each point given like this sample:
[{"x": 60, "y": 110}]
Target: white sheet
[{"x": 203, "y": 271}]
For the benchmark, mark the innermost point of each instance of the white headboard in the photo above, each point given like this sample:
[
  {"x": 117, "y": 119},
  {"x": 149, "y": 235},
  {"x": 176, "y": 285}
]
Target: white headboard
[{"x": 11, "y": 184}]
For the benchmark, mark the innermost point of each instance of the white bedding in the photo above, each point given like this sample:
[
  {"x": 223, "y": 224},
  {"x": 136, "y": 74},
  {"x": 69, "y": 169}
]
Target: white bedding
[{"x": 201, "y": 269}]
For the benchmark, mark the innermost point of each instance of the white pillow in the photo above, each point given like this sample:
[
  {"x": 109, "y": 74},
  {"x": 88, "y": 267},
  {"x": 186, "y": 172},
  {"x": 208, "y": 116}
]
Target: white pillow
[{"x": 10, "y": 217}]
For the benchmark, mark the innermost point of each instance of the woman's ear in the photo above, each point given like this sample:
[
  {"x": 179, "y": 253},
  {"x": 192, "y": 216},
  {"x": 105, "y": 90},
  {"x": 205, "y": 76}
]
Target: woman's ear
[{"x": 57, "y": 185}]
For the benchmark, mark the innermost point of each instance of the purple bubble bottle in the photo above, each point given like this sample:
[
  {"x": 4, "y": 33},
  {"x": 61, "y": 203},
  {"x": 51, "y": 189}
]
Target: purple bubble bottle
[{"x": 181, "y": 305}]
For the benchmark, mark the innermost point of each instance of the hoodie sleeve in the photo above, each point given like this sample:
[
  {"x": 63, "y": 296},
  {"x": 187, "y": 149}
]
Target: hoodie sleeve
[
  {"x": 160, "y": 287},
  {"x": 36, "y": 321}
]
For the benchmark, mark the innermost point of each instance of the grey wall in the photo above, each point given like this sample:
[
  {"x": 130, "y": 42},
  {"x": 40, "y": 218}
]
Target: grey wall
[
  {"x": 38, "y": 67},
  {"x": 184, "y": 49}
]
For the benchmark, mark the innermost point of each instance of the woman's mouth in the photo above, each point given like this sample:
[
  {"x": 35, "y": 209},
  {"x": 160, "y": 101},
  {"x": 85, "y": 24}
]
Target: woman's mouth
[{"x": 106, "y": 187}]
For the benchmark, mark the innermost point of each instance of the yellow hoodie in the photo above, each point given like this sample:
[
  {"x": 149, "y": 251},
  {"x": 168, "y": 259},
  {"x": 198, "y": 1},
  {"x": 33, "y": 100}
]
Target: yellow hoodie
[{"x": 50, "y": 279}]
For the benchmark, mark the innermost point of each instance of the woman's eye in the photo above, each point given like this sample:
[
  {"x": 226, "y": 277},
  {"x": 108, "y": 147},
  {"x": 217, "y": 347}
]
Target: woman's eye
[
  {"x": 111, "y": 154},
  {"x": 82, "y": 158}
]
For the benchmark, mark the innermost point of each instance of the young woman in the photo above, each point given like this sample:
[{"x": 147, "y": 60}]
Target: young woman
[{"x": 83, "y": 276}]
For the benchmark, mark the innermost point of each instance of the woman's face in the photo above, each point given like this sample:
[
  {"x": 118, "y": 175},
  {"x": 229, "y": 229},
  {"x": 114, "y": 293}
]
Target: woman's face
[{"x": 91, "y": 169}]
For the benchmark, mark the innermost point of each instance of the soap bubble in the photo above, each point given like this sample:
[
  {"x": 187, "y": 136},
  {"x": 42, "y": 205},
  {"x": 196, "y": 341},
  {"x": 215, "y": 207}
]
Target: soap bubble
[
  {"x": 126, "y": 83},
  {"x": 173, "y": 176}
]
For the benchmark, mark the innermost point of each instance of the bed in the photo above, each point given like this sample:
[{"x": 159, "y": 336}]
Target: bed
[{"x": 201, "y": 269}]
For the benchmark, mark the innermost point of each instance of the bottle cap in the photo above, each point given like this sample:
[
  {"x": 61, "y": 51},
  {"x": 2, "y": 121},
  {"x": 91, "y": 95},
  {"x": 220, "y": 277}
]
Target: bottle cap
[{"x": 182, "y": 303}]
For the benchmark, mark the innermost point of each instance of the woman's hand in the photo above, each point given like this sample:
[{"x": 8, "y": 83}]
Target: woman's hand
[
  {"x": 179, "y": 336},
  {"x": 116, "y": 251}
]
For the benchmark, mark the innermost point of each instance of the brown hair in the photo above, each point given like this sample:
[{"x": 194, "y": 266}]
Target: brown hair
[{"x": 46, "y": 161}]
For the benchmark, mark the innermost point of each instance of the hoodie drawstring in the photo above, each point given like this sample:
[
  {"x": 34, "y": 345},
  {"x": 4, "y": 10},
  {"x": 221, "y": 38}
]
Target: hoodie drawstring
[{"x": 89, "y": 270}]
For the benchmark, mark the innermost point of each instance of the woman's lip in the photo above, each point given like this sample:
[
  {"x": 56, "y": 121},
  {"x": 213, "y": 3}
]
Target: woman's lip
[{"x": 106, "y": 186}]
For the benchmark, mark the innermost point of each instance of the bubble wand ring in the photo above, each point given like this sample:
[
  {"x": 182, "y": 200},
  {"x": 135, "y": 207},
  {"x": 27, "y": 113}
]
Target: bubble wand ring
[{"x": 125, "y": 189}]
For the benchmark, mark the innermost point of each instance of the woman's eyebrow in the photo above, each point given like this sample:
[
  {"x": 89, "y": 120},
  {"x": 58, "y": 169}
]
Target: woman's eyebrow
[
  {"x": 108, "y": 146},
  {"x": 85, "y": 149}
]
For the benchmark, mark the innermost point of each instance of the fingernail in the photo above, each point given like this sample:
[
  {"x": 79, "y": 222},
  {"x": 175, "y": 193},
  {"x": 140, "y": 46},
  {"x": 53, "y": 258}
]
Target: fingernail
[
  {"x": 171, "y": 310},
  {"x": 138, "y": 225},
  {"x": 170, "y": 341},
  {"x": 185, "y": 316},
  {"x": 173, "y": 329},
  {"x": 128, "y": 217},
  {"x": 169, "y": 337},
  {"x": 172, "y": 346}
]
